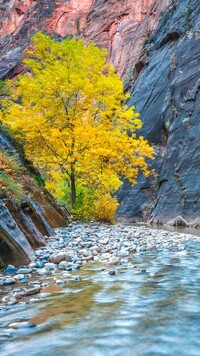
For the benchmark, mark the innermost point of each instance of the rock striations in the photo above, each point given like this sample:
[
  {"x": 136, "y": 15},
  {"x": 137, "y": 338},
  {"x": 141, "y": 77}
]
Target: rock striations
[
  {"x": 24, "y": 223},
  {"x": 154, "y": 45},
  {"x": 167, "y": 95}
]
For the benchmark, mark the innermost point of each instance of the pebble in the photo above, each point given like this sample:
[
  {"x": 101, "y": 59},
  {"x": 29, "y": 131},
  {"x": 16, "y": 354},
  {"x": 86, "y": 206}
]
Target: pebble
[
  {"x": 60, "y": 282},
  {"x": 57, "y": 258},
  {"x": 63, "y": 265},
  {"x": 104, "y": 241},
  {"x": 50, "y": 266},
  {"x": 80, "y": 244},
  {"x": 112, "y": 273},
  {"x": 9, "y": 282},
  {"x": 42, "y": 272},
  {"x": 10, "y": 269},
  {"x": 21, "y": 324},
  {"x": 40, "y": 264},
  {"x": 24, "y": 270}
]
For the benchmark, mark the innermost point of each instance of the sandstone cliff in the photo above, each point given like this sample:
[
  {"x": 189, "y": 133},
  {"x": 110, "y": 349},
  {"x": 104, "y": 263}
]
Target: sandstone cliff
[
  {"x": 24, "y": 223},
  {"x": 154, "y": 45},
  {"x": 168, "y": 98}
]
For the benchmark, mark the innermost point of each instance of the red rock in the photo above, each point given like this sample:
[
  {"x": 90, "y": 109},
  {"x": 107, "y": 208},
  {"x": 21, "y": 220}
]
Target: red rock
[
  {"x": 120, "y": 26},
  {"x": 67, "y": 17}
]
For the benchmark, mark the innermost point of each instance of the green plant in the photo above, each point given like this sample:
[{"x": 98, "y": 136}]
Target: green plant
[
  {"x": 71, "y": 120},
  {"x": 10, "y": 187},
  {"x": 39, "y": 180},
  {"x": 186, "y": 122},
  {"x": 150, "y": 39},
  {"x": 9, "y": 176},
  {"x": 167, "y": 125}
]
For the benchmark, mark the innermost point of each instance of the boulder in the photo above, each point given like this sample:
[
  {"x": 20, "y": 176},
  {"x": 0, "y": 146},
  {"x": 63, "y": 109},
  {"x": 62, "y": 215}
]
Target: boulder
[{"x": 178, "y": 221}]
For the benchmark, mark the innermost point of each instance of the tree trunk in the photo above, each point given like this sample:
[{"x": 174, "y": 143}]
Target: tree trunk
[{"x": 73, "y": 190}]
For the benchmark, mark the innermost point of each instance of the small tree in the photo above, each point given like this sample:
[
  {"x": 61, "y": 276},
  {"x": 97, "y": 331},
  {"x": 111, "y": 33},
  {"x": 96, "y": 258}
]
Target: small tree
[{"x": 69, "y": 114}]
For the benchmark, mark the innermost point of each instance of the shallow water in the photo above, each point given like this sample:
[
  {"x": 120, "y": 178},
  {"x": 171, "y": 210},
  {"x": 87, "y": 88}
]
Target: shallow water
[
  {"x": 166, "y": 227},
  {"x": 151, "y": 307}
]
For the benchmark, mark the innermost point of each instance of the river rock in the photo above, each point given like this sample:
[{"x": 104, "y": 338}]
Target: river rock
[
  {"x": 195, "y": 223},
  {"x": 23, "y": 270},
  {"x": 178, "y": 221},
  {"x": 104, "y": 241},
  {"x": 50, "y": 266},
  {"x": 95, "y": 248},
  {"x": 124, "y": 253},
  {"x": 60, "y": 282},
  {"x": 63, "y": 265},
  {"x": 10, "y": 269},
  {"x": 57, "y": 258},
  {"x": 21, "y": 325},
  {"x": 39, "y": 264},
  {"x": 28, "y": 292},
  {"x": 113, "y": 261},
  {"x": 12, "y": 301},
  {"x": 32, "y": 265},
  {"x": 9, "y": 282},
  {"x": 75, "y": 267},
  {"x": 42, "y": 271}
]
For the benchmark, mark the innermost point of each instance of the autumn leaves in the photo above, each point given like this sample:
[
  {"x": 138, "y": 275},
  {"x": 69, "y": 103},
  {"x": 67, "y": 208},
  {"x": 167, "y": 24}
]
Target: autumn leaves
[{"x": 68, "y": 112}]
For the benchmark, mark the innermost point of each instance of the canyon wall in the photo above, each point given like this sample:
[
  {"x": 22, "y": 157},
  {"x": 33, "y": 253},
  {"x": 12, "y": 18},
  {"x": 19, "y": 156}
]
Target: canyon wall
[
  {"x": 25, "y": 222},
  {"x": 167, "y": 95},
  {"x": 154, "y": 45}
]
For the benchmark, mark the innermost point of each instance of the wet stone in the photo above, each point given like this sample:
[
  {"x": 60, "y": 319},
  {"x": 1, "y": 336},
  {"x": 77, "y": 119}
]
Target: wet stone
[
  {"x": 87, "y": 244},
  {"x": 10, "y": 269},
  {"x": 24, "y": 270},
  {"x": 9, "y": 282},
  {"x": 21, "y": 325},
  {"x": 40, "y": 264},
  {"x": 63, "y": 265},
  {"x": 50, "y": 266},
  {"x": 60, "y": 282},
  {"x": 57, "y": 258},
  {"x": 42, "y": 272}
]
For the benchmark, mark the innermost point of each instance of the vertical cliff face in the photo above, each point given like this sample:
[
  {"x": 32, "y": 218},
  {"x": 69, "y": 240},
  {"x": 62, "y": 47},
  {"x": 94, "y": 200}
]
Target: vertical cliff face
[
  {"x": 19, "y": 19},
  {"x": 167, "y": 94},
  {"x": 24, "y": 219},
  {"x": 122, "y": 27},
  {"x": 154, "y": 46},
  {"x": 55, "y": 16}
]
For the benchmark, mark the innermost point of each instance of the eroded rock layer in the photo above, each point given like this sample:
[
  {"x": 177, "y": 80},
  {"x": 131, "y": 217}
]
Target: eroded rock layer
[
  {"x": 154, "y": 45},
  {"x": 167, "y": 96},
  {"x": 24, "y": 223}
]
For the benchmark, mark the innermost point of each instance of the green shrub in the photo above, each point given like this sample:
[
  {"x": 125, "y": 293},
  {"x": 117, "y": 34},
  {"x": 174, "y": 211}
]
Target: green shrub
[
  {"x": 10, "y": 187},
  {"x": 9, "y": 176}
]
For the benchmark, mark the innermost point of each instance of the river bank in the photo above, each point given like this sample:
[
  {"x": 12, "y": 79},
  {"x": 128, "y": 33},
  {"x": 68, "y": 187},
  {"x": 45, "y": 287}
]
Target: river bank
[
  {"x": 104, "y": 290},
  {"x": 80, "y": 244}
]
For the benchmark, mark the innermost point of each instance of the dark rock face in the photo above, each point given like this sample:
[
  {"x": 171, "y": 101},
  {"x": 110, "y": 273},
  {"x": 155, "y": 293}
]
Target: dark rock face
[
  {"x": 163, "y": 78},
  {"x": 14, "y": 244},
  {"x": 23, "y": 226},
  {"x": 168, "y": 97}
]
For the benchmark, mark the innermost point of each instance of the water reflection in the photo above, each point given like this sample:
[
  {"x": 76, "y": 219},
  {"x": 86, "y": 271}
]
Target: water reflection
[{"x": 151, "y": 308}]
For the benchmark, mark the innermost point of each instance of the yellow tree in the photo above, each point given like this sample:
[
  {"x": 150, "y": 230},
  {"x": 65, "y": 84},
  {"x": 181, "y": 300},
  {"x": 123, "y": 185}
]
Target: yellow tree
[{"x": 68, "y": 112}]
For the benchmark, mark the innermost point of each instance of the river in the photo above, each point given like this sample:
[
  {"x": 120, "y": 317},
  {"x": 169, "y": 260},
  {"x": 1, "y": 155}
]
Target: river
[{"x": 150, "y": 308}]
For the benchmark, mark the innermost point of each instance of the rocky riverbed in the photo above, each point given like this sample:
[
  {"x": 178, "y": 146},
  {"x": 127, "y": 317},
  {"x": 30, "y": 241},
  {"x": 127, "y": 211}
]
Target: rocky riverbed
[{"x": 71, "y": 248}]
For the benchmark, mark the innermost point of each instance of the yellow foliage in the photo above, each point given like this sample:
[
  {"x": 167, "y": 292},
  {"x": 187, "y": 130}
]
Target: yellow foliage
[
  {"x": 71, "y": 118},
  {"x": 105, "y": 208}
]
